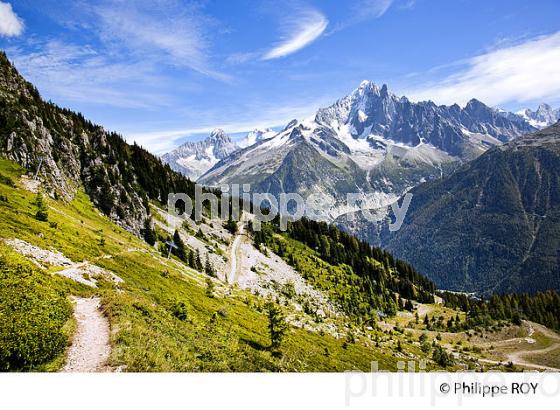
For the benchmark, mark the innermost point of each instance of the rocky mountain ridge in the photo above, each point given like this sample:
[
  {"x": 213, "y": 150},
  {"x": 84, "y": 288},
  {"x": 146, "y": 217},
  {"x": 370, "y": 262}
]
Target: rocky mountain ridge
[
  {"x": 68, "y": 152},
  {"x": 371, "y": 143},
  {"x": 192, "y": 159}
]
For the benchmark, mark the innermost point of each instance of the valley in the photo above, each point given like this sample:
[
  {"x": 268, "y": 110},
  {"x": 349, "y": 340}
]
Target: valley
[
  {"x": 225, "y": 327},
  {"x": 355, "y": 159}
]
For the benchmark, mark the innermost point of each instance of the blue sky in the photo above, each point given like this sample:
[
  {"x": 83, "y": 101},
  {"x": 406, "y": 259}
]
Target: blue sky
[{"x": 165, "y": 71}]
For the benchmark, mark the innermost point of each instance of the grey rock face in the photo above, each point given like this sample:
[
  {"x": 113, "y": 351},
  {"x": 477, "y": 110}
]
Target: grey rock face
[{"x": 373, "y": 110}]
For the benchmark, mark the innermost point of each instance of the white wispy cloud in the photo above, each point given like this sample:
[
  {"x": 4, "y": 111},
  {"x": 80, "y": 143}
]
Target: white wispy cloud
[
  {"x": 366, "y": 9},
  {"x": 10, "y": 24},
  {"x": 524, "y": 72},
  {"x": 360, "y": 11},
  {"x": 242, "y": 57},
  {"x": 300, "y": 29},
  {"x": 78, "y": 73},
  {"x": 120, "y": 64},
  {"x": 174, "y": 32}
]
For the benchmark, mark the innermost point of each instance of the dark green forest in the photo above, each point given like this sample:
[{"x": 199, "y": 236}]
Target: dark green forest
[
  {"x": 543, "y": 308},
  {"x": 379, "y": 277}
]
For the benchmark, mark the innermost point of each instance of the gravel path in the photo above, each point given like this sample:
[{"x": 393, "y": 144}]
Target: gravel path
[
  {"x": 233, "y": 253},
  {"x": 517, "y": 357},
  {"x": 90, "y": 347}
]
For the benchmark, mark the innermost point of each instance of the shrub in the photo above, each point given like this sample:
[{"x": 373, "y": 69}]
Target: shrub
[
  {"x": 231, "y": 226},
  {"x": 6, "y": 180},
  {"x": 180, "y": 311},
  {"x": 425, "y": 346},
  {"x": 289, "y": 290},
  {"x": 32, "y": 315},
  {"x": 441, "y": 357},
  {"x": 42, "y": 210}
]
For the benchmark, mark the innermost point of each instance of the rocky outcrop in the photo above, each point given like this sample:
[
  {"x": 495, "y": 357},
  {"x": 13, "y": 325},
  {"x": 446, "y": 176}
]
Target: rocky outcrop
[{"x": 68, "y": 152}]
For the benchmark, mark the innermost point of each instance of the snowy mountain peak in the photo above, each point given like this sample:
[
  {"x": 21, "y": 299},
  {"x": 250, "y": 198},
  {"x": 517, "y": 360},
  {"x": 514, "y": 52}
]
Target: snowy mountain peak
[
  {"x": 365, "y": 90},
  {"x": 291, "y": 124},
  {"x": 371, "y": 110},
  {"x": 364, "y": 84},
  {"x": 543, "y": 117},
  {"x": 255, "y": 136},
  {"x": 194, "y": 158},
  {"x": 370, "y": 141},
  {"x": 219, "y": 135}
]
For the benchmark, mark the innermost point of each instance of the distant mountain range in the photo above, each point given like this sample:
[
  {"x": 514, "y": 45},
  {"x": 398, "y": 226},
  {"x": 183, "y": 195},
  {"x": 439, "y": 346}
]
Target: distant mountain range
[
  {"x": 193, "y": 159},
  {"x": 370, "y": 142},
  {"x": 397, "y": 144},
  {"x": 543, "y": 117}
]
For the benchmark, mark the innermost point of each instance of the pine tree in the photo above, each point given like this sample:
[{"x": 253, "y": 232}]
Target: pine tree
[
  {"x": 42, "y": 210},
  {"x": 192, "y": 260},
  {"x": 148, "y": 233},
  {"x": 408, "y": 305},
  {"x": 198, "y": 262},
  {"x": 180, "y": 251},
  {"x": 441, "y": 357},
  {"x": 208, "y": 268},
  {"x": 277, "y": 325}
]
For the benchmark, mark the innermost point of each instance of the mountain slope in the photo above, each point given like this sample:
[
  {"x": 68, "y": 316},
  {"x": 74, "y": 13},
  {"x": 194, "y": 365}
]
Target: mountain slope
[
  {"x": 494, "y": 225},
  {"x": 68, "y": 151},
  {"x": 372, "y": 143}
]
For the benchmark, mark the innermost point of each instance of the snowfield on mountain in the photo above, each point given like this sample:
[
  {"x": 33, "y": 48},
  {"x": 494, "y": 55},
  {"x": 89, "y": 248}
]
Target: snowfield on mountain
[{"x": 371, "y": 143}]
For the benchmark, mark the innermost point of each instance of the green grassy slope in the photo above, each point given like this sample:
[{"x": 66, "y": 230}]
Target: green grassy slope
[{"x": 220, "y": 333}]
